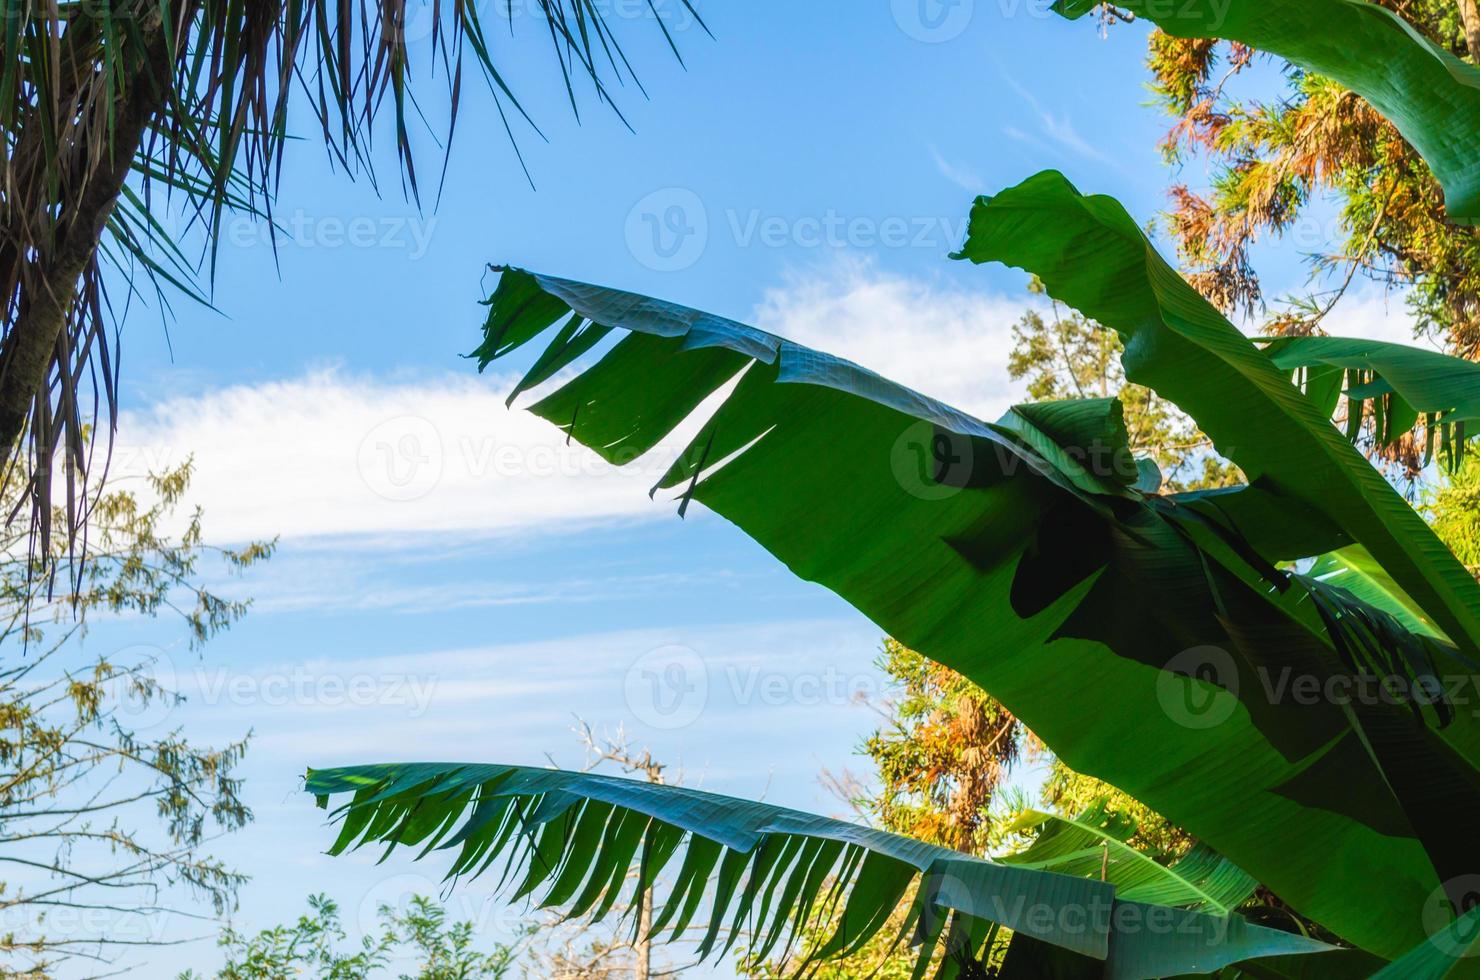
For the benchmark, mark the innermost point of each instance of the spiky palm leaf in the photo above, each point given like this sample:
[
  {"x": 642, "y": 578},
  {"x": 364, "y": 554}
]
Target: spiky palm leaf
[
  {"x": 995, "y": 548},
  {"x": 767, "y": 872},
  {"x": 111, "y": 110}
]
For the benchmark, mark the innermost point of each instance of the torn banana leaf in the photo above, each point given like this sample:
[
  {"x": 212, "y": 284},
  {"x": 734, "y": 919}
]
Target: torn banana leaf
[
  {"x": 1092, "y": 255},
  {"x": 1146, "y": 641},
  {"x": 1429, "y": 94},
  {"x": 722, "y": 869},
  {"x": 1093, "y": 845},
  {"x": 1391, "y": 384},
  {"x": 1354, "y": 570}
]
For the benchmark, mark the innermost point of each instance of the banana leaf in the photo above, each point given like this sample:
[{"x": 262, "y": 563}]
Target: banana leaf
[
  {"x": 1392, "y": 384},
  {"x": 1452, "y": 952},
  {"x": 1354, "y": 570},
  {"x": 1429, "y": 94},
  {"x": 726, "y": 867},
  {"x": 1022, "y": 554},
  {"x": 1093, "y": 845},
  {"x": 1093, "y": 256}
]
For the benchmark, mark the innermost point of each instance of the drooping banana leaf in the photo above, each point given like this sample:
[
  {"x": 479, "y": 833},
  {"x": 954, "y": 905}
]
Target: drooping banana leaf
[
  {"x": 1391, "y": 384},
  {"x": 1429, "y": 94},
  {"x": 1022, "y": 554},
  {"x": 1093, "y": 845},
  {"x": 720, "y": 867}
]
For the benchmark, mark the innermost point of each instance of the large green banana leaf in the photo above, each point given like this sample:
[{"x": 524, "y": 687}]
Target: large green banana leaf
[
  {"x": 1392, "y": 384},
  {"x": 738, "y": 867},
  {"x": 1093, "y": 845},
  {"x": 1092, "y": 255},
  {"x": 1022, "y": 554},
  {"x": 1429, "y": 94}
]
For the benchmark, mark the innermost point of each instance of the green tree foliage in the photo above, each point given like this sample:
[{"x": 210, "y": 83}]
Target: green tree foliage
[
  {"x": 1454, "y": 508},
  {"x": 1067, "y": 355},
  {"x": 1277, "y": 157},
  {"x": 944, "y": 750},
  {"x": 315, "y": 947},
  {"x": 104, "y": 808}
]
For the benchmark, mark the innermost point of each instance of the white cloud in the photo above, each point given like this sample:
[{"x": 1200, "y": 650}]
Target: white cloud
[
  {"x": 522, "y": 697},
  {"x": 1373, "y": 313},
  {"x": 329, "y": 455},
  {"x": 948, "y": 343}
]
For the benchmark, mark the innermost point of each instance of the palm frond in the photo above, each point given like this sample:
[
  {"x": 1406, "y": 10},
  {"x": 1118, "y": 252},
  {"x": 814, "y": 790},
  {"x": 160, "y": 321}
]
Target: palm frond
[
  {"x": 114, "y": 112},
  {"x": 581, "y": 842}
]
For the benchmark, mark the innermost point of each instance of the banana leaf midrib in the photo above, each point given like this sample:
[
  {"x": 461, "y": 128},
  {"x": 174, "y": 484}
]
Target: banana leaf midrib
[{"x": 1123, "y": 853}]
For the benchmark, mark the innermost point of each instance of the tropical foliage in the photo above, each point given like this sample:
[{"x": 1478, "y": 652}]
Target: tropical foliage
[
  {"x": 944, "y": 759},
  {"x": 1267, "y": 663},
  {"x": 568, "y": 839},
  {"x": 989, "y": 522},
  {"x": 116, "y": 114},
  {"x": 1064, "y": 469}
]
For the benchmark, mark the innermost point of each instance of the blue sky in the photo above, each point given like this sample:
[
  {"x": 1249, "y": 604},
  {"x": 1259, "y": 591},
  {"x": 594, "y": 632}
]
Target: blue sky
[{"x": 454, "y": 583}]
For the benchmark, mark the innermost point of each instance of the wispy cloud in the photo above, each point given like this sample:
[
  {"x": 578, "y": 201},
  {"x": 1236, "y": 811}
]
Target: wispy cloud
[
  {"x": 522, "y": 697},
  {"x": 1055, "y": 126},
  {"x": 960, "y": 176}
]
